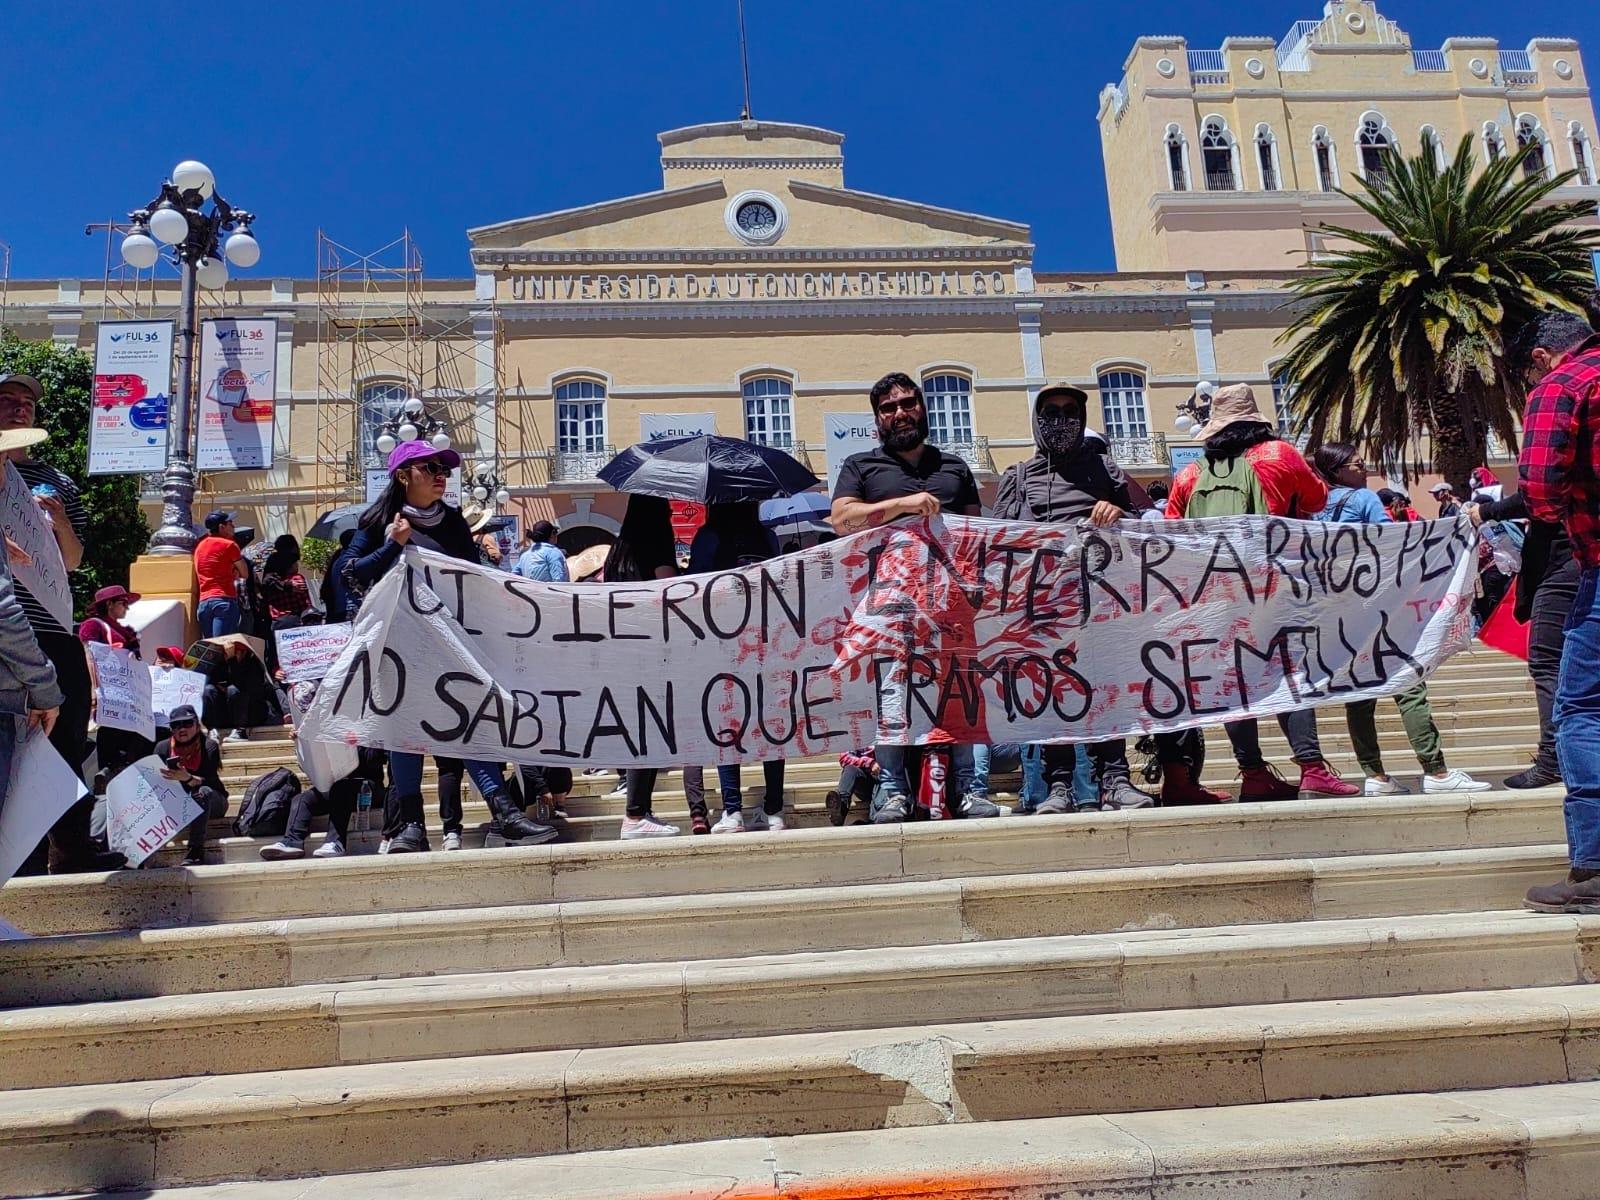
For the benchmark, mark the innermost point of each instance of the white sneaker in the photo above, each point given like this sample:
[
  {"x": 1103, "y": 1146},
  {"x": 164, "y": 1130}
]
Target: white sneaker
[
  {"x": 279, "y": 851},
  {"x": 1456, "y": 780},
  {"x": 646, "y": 827},
  {"x": 620, "y": 790},
  {"x": 452, "y": 841},
  {"x": 774, "y": 822},
  {"x": 729, "y": 822},
  {"x": 237, "y": 735},
  {"x": 329, "y": 849},
  {"x": 383, "y": 845},
  {"x": 1384, "y": 787}
]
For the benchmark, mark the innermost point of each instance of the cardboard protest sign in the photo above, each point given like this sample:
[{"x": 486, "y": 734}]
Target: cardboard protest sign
[
  {"x": 26, "y": 524},
  {"x": 144, "y": 811},
  {"x": 172, "y": 687},
  {"x": 122, "y": 694},
  {"x": 989, "y": 631},
  {"x": 42, "y": 787},
  {"x": 306, "y": 653}
]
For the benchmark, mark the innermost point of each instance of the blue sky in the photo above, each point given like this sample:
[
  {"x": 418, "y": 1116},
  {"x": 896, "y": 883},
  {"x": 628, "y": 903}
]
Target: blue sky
[{"x": 364, "y": 118}]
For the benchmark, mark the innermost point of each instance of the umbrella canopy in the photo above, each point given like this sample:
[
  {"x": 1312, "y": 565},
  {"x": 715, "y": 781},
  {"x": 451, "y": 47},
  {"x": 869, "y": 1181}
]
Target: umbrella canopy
[
  {"x": 707, "y": 468},
  {"x": 335, "y": 521},
  {"x": 808, "y": 508},
  {"x": 586, "y": 562}
]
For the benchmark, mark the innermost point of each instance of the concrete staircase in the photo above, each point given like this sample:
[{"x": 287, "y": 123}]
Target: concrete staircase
[{"x": 1324, "y": 999}]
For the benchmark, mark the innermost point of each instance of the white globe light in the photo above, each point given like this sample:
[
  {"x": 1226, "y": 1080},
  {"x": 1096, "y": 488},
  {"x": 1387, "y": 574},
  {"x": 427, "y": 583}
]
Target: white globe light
[
  {"x": 440, "y": 441},
  {"x": 386, "y": 443},
  {"x": 407, "y": 432},
  {"x": 1181, "y": 423},
  {"x": 192, "y": 176},
  {"x": 502, "y": 497},
  {"x": 480, "y": 493},
  {"x": 211, "y": 272},
  {"x": 413, "y": 406},
  {"x": 140, "y": 250},
  {"x": 169, "y": 225},
  {"x": 242, "y": 249},
  {"x": 1205, "y": 388}
]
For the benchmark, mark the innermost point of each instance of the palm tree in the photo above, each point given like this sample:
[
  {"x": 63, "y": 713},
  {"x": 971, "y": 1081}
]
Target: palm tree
[{"x": 1405, "y": 333}]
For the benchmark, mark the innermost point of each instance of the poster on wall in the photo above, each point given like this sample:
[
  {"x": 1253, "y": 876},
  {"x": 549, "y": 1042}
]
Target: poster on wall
[
  {"x": 847, "y": 434},
  {"x": 238, "y": 394},
  {"x": 378, "y": 480},
  {"x": 1182, "y": 456},
  {"x": 132, "y": 376},
  {"x": 655, "y": 426}
]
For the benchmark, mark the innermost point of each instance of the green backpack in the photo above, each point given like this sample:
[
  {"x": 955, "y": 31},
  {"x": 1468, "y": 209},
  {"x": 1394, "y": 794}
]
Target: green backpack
[{"x": 1229, "y": 488}]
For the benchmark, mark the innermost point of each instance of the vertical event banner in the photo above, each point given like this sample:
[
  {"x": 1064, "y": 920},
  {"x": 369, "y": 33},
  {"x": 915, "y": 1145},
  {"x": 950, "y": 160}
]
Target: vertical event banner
[
  {"x": 28, "y": 525},
  {"x": 145, "y": 811},
  {"x": 847, "y": 434},
  {"x": 655, "y": 426},
  {"x": 238, "y": 393},
  {"x": 42, "y": 787},
  {"x": 128, "y": 416},
  {"x": 378, "y": 480}
]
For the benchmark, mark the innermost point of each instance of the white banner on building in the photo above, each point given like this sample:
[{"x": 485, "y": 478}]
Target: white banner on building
[
  {"x": 378, "y": 480},
  {"x": 989, "y": 631},
  {"x": 847, "y": 434},
  {"x": 42, "y": 787},
  {"x": 238, "y": 393},
  {"x": 128, "y": 416},
  {"x": 122, "y": 692},
  {"x": 306, "y": 653},
  {"x": 44, "y": 573},
  {"x": 172, "y": 686},
  {"x": 655, "y": 426},
  {"x": 144, "y": 811}
]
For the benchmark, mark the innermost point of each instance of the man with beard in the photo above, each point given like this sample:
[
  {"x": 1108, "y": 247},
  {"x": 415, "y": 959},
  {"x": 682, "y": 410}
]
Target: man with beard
[
  {"x": 1068, "y": 480},
  {"x": 906, "y": 476}
]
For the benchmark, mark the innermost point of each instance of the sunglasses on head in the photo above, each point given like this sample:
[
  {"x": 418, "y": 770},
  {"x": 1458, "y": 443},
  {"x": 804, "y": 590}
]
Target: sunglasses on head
[
  {"x": 904, "y": 404},
  {"x": 432, "y": 467}
]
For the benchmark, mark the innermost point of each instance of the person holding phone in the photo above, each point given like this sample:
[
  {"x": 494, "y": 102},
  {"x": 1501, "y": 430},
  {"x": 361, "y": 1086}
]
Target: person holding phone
[{"x": 194, "y": 762}]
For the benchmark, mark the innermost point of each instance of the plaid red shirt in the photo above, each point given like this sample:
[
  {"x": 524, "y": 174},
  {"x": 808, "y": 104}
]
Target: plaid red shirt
[{"x": 1560, "y": 463}]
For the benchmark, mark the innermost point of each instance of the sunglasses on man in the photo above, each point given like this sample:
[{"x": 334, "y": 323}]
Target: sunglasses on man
[
  {"x": 183, "y": 724},
  {"x": 904, "y": 404}
]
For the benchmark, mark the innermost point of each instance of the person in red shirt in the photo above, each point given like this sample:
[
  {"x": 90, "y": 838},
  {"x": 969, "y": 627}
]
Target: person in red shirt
[
  {"x": 1290, "y": 488},
  {"x": 218, "y": 562}
]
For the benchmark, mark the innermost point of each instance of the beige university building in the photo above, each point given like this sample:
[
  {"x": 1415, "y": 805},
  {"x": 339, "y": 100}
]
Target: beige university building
[{"x": 756, "y": 286}]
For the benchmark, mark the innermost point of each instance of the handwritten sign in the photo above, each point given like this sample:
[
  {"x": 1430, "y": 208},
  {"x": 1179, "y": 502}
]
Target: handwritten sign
[
  {"x": 987, "y": 631},
  {"x": 42, "y": 787},
  {"x": 172, "y": 686},
  {"x": 122, "y": 699},
  {"x": 144, "y": 811},
  {"x": 22, "y": 520},
  {"x": 306, "y": 653}
]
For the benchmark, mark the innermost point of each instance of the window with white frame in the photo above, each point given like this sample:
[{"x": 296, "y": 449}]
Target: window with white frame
[
  {"x": 1283, "y": 402},
  {"x": 1216, "y": 151},
  {"x": 947, "y": 399},
  {"x": 1122, "y": 404},
  {"x": 1530, "y": 137},
  {"x": 380, "y": 401},
  {"x": 1582, "y": 155},
  {"x": 1327, "y": 165},
  {"x": 1374, "y": 139},
  {"x": 1430, "y": 143},
  {"x": 769, "y": 411},
  {"x": 1177, "y": 160},
  {"x": 1494, "y": 144},
  {"x": 1267, "y": 158},
  {"x": 581, "y": 417}
]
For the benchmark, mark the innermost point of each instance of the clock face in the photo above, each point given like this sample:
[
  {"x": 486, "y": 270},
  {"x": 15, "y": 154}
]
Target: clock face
[{"x": 756, "y": 218}]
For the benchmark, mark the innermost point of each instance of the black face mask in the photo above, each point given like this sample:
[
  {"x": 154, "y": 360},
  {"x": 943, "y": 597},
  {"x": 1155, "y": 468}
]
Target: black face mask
[{"x": 1060, "y": 432}]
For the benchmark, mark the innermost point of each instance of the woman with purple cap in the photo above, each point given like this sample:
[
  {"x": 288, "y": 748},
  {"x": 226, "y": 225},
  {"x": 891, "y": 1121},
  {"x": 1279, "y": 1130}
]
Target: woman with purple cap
[{"x": 412, "y": 512}]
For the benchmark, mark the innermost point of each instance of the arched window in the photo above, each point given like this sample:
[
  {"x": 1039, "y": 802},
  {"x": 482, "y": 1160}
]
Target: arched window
[
  {"x": 1327, "y": 164},
  {"x": 769, "y": 411},
  {"x": 1494, "y": 144},
  {"x": 1374, "y": 138},
  {"x": 1177, "y": 159},
  {"x": 1530, "y": 137},
  {"x": 1122, "y": 404},
  {"x": 948, "y": 401},
  {"x": 1429, "y": 142},
  {"x": 1216, "y": 149},
  {"x": 1267, "y": 158},
  {"x": 1582, "y": 155},
  {"x": 380, "y": 401},
  {"x": 581, "y": 417}
]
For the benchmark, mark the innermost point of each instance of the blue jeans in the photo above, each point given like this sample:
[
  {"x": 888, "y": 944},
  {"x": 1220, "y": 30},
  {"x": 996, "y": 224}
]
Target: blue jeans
[
  {"x": 1084, "y": 788},
  {"x": 218, "y": 616},
  {"x": 406, "y": 771},
  {"x": 772, "y": 776},
  {"x": 1008, "y": 756},
  {"x": 1577, "y": 721},
  {"x": 893, "y": 779}
]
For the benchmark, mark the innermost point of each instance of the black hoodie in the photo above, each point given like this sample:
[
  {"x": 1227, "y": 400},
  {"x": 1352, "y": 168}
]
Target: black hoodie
[{"x": 1062, "y": 487}]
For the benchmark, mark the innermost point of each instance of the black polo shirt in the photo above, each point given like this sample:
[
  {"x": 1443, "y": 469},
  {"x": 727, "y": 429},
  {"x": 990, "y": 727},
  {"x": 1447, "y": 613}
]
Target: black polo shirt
[{"x": 875, "y": 475}]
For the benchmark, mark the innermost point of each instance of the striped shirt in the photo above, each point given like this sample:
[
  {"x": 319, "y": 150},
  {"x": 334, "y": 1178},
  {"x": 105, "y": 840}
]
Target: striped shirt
[{"x": 34, "y": 473}]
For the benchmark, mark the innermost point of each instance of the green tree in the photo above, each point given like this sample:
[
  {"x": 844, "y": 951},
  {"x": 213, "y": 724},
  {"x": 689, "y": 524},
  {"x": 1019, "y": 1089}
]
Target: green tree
[
  {"x": 117, "y": 529},
  {"x": 1403, "y": 335}
]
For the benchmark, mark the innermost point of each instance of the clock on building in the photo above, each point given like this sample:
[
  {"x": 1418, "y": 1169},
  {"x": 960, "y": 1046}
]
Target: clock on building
[{"x": 756, "y": 218}]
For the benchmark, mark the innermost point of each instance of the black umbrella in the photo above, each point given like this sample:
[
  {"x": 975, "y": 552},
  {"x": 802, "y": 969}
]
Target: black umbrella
[
  {"x": 706, "y": 468},
  {"x": 335, "y": 521}
]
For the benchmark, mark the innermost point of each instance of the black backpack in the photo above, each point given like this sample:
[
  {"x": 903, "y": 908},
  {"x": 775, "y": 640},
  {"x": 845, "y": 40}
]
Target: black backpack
[{"x": 265, "y": 809}]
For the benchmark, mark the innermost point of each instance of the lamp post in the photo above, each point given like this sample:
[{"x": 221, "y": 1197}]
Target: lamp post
[
  {"x": 412, "y": 423},
  {"x": 178, "y": 217},
  {"x": 482, "y": 483},
  {"x": 1194, "y": 412}
]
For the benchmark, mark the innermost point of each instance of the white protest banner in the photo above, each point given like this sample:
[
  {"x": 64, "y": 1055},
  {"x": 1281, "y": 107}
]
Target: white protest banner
[
  {"x": 238, "y": 393},
  {"x": 172, "y": 686},
  {"x": 847, "y": 434},
  {"x": 26, "y": 524},
  {"x": 306, "y": 653},
  {"x": 990, "y": 631},
  {"x": 655, "y": 426},
  {"x": 144, "y": 811},
  {"x": 128, "y": 418},
  {"x": 42, "y": 787},
  {"x": 122, "y": 692}
]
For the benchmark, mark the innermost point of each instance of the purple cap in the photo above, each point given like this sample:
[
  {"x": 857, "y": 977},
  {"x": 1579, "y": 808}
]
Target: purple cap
[{"x": 407, "y": 453}]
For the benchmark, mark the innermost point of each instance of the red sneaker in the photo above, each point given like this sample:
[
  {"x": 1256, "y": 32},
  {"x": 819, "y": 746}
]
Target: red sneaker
[
  {"x": 1322, "y": 780},
  {"x": 1179, "y": 787},
  {"x": 1263, "y": 783}
]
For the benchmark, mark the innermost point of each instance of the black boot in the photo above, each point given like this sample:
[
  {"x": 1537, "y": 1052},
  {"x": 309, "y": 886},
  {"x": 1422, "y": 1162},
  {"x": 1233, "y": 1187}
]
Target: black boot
[
  {"x": 413, "y": 835},
  {"x": 510, "y": 827}
]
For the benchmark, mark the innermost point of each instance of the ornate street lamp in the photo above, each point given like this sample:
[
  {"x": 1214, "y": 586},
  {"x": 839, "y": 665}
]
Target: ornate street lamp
[
  {"x": 482, "y": 483},
  {"x": 1194, "y": 412},
  {"x": 202, "y": 241},
  {"x": 412, "y": 423}
]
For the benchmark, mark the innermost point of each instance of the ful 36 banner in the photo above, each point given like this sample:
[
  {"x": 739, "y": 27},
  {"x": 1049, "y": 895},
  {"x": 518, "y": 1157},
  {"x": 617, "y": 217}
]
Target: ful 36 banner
[
  {"x": 128, "y": 416},
  {"x": 988, "y": 630},
  {"x": 238, "y": 393}
]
